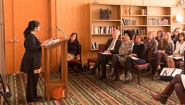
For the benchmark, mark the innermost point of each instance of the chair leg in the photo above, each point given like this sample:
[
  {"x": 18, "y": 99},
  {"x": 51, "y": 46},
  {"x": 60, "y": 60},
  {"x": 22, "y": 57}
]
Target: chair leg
[
  {"x": 138, "y": 74},
  {"x": 88, "y": 65},
  {"x": 99, "y": 69},
  {"x": 151, "y": 74},
  {"x": 77, "y": 68}
]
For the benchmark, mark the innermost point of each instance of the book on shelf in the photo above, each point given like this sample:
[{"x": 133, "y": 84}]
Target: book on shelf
[
  {"x": 103, "y": 29},
  {"x": 154, "y": 21},
  {"x": 94, "y": 45}
]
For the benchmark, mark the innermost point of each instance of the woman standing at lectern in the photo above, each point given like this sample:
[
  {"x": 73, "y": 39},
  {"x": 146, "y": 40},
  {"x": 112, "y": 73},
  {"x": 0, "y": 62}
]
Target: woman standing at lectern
[{"x": 31, "y": 61}]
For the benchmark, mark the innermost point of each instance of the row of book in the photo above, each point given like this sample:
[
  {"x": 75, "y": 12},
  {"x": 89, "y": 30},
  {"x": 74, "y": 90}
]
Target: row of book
[
  {"x": 136, "y": 31},
  {"x": 154, "y": 21},
  {"x": 128, "y": 22},
  {"x": 103, "y": 29}
]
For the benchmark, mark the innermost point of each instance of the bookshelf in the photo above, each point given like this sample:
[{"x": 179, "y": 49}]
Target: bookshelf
[
  {"x": 101, "y": 29},
  {"x": 141, "y": 19}
]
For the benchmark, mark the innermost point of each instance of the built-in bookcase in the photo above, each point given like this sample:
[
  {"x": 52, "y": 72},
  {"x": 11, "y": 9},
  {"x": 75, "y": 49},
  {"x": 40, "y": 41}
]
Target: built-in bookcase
[{"x": 141, "y": 20}]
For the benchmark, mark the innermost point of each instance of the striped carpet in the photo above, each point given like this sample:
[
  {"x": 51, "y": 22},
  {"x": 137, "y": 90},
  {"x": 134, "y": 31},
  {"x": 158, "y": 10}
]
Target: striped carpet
[{"x": 87, "y": 90}]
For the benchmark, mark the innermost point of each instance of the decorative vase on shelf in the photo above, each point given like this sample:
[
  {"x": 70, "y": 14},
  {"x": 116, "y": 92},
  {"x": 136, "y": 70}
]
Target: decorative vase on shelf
[{"x": 130, "y": 10}]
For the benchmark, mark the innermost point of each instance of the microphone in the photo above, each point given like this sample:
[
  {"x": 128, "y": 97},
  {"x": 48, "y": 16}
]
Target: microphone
[{"x": 58, "y": 28}]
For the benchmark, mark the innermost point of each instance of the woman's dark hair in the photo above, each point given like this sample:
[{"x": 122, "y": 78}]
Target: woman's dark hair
[
  {"x": 183, "y": 34},
  {"x": 141, "y": 37},
  {"x": 130, "y": 33},
  {"x": 31, "y": 26},
  {"x": 160, "y": 32},
  {"x": 72, "y": 35}
]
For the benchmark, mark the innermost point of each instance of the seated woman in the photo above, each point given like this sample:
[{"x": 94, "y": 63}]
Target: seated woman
[
  {"x": 177, "y": 84},
  {"x": 179, "y": 51},
  {"x": 165, "y": 48},
  {"x": 159, "y": 36},
  {"x": 174, "y": 37},
  {"x": 139, "y": 51},
  {"x": 124, "y": 51},
  {"x": 73, "y": 48},
  {"x": 151, "y": 43}
]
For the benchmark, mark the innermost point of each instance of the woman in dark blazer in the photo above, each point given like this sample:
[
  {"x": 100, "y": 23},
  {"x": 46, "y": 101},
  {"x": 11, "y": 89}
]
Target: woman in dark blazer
[
  {"x": 31, "y": 61},
  {"x": 139, "y": 51}
]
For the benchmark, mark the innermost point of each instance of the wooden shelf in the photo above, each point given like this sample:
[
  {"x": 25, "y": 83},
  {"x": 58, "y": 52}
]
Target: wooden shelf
[
  {"x": 100, "y": 34},
  {"x": 139, "y": 20},
  {"x": 105, "y": 20}
]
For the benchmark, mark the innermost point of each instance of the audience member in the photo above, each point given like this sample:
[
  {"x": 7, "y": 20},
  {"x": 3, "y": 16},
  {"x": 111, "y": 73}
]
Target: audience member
[
  {"x": 139, "y": 51},
  {"x": 174, "y": 37},
  {"x": 151, "y": 43},
  {"x": 179, "y": 51},
  {"x": 159, "y": 36},
  {"x": 111, "y": 47},
  {"x": 165, "y": 48},
  {"x": 177, "y": 84},
  {"x": 124, "y": 51},
  {"x": 73, "y": 50}
]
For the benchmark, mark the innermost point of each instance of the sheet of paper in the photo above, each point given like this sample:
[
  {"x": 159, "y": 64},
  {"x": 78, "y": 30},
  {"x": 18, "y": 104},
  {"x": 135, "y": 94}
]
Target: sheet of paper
[
  {"x": 134, "y": 58},
  {"x": 168, "y": 71}
]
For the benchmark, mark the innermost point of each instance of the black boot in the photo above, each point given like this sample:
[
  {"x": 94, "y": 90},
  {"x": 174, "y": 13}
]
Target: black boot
[
  {"x": 181, "y": 98},
  {"x": 127, "y": 77},
  {"x": 112, "y": 73},
  {"x": 92, "y": 72},
  {"x": 165, "y": 94}
]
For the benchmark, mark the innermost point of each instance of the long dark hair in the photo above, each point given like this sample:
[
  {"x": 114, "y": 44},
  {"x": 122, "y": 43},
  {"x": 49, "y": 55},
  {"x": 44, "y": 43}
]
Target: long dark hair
[
  {"x": 76, "y": 40},
  {"x": 31, "y": 26}
]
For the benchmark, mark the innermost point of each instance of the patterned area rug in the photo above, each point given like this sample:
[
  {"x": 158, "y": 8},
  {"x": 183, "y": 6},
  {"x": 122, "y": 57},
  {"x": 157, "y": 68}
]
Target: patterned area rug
[{"x": 87, "y": 90}]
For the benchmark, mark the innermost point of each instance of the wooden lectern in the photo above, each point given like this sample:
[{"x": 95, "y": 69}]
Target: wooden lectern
[{"x": 63, "y": 80}]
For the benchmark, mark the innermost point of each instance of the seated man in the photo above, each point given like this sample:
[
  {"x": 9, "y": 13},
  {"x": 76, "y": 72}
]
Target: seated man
[{"x": 111, "y": 47}]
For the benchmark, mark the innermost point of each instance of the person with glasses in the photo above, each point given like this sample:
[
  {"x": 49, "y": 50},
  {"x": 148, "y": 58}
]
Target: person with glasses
[
  {"x": 179, "y": 51},
  {"x": 174, "y": 37}
]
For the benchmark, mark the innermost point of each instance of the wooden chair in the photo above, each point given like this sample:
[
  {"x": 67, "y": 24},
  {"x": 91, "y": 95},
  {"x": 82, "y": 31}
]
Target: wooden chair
[
  {"x": 93, "y": 60},
  {"x": 144, "y": 66},
  {"x": 77, "y": 62}
]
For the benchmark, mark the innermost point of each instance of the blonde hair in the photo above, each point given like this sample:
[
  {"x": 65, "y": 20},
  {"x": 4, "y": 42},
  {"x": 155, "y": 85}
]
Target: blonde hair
[
  {"x": 169, "y": 40},
  {"x": 151, "y": 34}
]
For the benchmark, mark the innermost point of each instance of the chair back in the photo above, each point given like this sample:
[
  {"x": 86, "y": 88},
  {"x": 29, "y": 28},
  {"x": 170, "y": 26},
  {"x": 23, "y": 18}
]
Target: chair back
[
  {"x": 148, "y": 58},
  {"x": 148, "y": 55},
  {"x": 80, "y": 48},
  {"x": 101, "y": 47}
]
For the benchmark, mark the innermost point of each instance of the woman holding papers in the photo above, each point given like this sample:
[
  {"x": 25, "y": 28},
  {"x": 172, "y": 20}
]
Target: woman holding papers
[
  {"x": 179, "y": 51},
  {"x": 177, "y": 84},
  {"x": 31, "y": 60},
  {"x": 138, "y": 53},
  {"x": 165, "y": 48},
  {"x": 124, "y": 50}
]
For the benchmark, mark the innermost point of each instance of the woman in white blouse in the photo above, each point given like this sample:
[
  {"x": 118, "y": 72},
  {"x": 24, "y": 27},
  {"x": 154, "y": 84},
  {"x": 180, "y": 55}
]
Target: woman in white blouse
[{"x": 179, "y": 51}]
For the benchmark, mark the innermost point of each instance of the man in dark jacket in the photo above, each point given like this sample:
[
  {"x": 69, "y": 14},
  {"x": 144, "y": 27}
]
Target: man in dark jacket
[{"x": 111, "y": 47}]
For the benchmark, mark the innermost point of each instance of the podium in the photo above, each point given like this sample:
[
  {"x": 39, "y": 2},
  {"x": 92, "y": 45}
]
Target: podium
[{"x": 63, "y": 80}]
